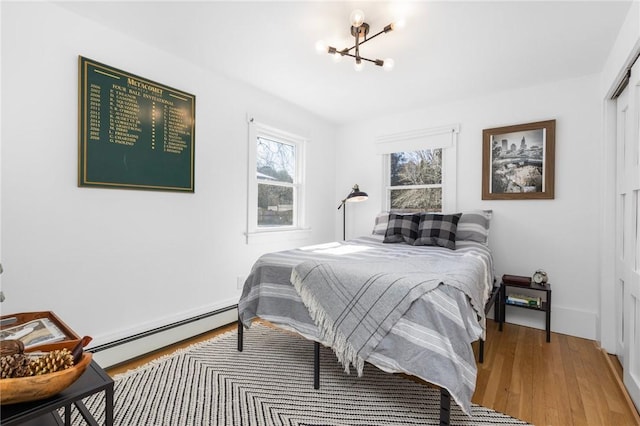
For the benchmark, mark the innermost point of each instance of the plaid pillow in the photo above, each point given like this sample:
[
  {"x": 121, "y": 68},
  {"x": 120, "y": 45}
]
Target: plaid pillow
[
  {"x": 402, "y": 228},
  {"x": 438, "y": 230}
]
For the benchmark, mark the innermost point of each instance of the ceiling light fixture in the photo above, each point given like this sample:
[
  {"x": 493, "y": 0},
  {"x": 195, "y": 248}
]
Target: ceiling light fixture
[{"x": 360, "y": 31}]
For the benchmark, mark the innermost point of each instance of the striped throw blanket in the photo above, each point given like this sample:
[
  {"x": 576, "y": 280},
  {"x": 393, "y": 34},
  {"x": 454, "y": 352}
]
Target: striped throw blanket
[
  {"x": 433, "y": 338},
  {"x": 356, "y": 303}
]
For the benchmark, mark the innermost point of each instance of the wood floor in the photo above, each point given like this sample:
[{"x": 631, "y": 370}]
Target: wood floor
[{"x": 566, "y": 382}]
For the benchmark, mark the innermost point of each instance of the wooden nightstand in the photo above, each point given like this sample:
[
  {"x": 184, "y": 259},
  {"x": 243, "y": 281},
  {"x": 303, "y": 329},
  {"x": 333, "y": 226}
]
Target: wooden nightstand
[{"x": 545, "y": 306}]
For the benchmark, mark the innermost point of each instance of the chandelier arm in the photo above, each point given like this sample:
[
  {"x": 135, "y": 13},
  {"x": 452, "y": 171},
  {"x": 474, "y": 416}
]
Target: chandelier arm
[
  {"x": 360, "y": 43},
  {"x": 378, "y": 62},
  {"x": 373, "y": 36}
]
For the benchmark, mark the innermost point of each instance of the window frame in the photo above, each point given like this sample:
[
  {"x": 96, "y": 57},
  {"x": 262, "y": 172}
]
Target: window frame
[
  {"x": 298, "y": 228},
  {"x": 390, "y": 188},
  {"x": 445, "y": 138}
]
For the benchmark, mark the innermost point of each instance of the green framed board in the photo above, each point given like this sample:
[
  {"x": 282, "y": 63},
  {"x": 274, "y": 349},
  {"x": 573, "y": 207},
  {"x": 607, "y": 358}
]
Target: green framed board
[{"x": 133, "y": 133}]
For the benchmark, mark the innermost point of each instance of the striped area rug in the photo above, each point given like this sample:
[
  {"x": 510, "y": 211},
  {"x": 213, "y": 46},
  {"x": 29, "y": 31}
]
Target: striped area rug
[{"x": 271, "y": 383}]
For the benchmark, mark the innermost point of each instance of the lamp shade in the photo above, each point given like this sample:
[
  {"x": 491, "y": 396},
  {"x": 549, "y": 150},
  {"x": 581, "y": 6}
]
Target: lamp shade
[{"x": 356, "y": 195}]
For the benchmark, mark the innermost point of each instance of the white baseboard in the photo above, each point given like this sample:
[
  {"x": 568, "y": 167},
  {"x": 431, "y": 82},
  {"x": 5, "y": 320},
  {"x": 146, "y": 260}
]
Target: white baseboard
[
  {"x": 109, "y": 355},
  {"x": 563, "y": 320},
  {"x": 568, "y": 321}
]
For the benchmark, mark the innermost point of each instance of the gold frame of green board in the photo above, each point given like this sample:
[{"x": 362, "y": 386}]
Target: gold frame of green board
[{"x": 133, "y": 133}]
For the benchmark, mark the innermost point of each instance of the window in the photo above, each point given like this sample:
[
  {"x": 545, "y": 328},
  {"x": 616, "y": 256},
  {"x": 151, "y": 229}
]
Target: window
[
  {"x": 276, "y": 201},
  {"x": 416, "y": 180},
  {"x": 275, "y": 172},
  {"x": 420, "y": 170}
]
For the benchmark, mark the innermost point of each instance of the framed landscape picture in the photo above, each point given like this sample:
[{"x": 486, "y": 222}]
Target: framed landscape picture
[{"x": 518, "y": 161}]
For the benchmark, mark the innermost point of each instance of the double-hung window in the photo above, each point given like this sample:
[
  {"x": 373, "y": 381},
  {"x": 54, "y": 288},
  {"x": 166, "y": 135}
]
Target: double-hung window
[
  {"x": 415, "y": 180},
  {"x": 276, "y": 176},
  {"x": 419, "y": 170}
]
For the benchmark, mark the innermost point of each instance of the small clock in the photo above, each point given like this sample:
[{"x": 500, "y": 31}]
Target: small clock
[{"x": 540, "y": 277}]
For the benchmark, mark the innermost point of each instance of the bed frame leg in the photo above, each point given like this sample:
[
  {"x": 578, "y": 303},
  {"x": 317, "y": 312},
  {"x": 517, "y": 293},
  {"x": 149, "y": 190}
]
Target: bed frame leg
[
  {"x": 445, "y": 407},
  {"x": 481, "y": 351},
  {"x": 316, "y": 365},
  {"x": 240, "y": 335}
]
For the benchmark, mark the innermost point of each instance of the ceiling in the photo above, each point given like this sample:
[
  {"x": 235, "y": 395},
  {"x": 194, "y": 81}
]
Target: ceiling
[{"x": 448, "y": 50}]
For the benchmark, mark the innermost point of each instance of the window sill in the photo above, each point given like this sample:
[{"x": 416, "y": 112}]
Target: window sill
[{"x": 275, "y": 235}]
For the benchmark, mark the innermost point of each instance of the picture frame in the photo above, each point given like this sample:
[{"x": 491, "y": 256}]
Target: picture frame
[
  {"x": 518, "y": 162},
  {"x": 133, "y": 133}
]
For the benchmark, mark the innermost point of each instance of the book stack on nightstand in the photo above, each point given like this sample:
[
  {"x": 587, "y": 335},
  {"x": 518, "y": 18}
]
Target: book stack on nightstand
[
  {"x": 509, "y": 296},
  {"x": 523, "y": 300}
]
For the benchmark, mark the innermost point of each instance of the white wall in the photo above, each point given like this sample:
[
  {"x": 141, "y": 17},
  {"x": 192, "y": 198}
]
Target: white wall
[
  {"x": 116, "y": 262},
  {"x": 622, "y": 52},
  {"x": 112, "y": 262},
  {"x": 558, "y": 235}
]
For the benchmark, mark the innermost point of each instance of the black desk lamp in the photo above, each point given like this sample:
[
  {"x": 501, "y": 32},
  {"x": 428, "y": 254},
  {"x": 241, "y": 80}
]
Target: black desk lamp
[{"x": 354, "y": 196}]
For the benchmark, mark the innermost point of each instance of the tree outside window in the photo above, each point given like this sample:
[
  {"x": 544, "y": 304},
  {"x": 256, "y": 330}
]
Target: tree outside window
[
  {"x": 415, "y": 180},
  {"x": 276, "y": 175}
]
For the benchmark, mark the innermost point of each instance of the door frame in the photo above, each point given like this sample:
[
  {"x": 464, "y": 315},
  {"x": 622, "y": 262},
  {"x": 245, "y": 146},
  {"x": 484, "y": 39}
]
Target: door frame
[
  {"x": 606, "y": 319},
  {"x": 607, "y": 327}
]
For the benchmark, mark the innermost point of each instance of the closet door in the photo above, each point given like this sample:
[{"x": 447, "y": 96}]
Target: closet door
[{"x": 628, "y": 234}]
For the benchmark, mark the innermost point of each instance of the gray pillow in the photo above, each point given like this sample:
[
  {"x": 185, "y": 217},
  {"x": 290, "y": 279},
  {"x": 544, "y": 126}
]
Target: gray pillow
[
  {"x": 380, "y": 226},
  {"x": 474, "y": 226}
]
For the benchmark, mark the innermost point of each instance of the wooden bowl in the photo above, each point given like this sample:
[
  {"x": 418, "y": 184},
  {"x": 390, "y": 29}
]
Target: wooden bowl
[{"x": 33, "y": 388}]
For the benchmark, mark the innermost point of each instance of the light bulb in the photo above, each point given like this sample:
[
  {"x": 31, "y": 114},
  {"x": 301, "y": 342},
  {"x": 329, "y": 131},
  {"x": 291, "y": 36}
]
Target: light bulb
[
  {"x": 337, "y": 57},
  {"x": 356, "y": 18},
  {"x": 321, "y": 46},
  {"x": 398, "y": 25},
  {"x": 357, "y": 66},
  {"x": 388, "y": 64}
]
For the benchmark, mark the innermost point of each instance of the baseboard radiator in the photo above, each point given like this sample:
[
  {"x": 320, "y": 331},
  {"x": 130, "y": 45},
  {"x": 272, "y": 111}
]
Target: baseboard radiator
[{"x": 122, "y": 350}]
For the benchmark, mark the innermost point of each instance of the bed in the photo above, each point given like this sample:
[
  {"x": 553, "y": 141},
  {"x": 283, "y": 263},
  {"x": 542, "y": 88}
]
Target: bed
[{"x": 429, "y": 337}]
